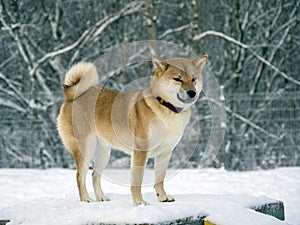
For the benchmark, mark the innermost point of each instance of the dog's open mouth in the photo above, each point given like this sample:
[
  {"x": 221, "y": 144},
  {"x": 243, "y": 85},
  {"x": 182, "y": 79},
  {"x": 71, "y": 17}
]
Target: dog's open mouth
[{"x": 186, "y": 100}]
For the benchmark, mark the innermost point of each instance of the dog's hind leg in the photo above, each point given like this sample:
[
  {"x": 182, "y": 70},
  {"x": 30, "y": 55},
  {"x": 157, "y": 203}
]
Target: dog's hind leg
[
  {"x": 82, "y": 169},
  {"x": 101, "y": 158},
  {"x": 83, "y": 158},
  {"x": 161, "y": 165}
]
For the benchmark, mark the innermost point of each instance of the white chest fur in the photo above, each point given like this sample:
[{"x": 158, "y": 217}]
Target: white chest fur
[{"x": 166, "y": 133}]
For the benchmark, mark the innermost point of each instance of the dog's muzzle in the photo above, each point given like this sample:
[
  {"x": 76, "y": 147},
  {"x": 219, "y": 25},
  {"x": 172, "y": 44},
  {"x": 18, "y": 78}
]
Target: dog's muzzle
[{"x": 187, "y": 97}]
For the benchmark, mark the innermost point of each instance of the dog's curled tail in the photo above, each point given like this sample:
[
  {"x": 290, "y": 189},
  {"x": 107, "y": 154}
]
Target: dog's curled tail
[{"x": 79, "y": 79}]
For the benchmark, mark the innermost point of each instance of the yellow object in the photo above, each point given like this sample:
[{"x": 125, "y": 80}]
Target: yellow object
[{"x": 206, "y": 222}]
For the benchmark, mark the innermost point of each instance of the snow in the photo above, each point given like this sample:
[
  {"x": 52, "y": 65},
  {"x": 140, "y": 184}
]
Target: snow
[{"x": 50, "y": 197}]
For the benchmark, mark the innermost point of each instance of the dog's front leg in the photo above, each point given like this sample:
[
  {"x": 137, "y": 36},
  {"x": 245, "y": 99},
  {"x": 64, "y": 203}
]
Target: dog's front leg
[
  {"x": 161, "y": 165},
  {"x": 138, "y": 162}
]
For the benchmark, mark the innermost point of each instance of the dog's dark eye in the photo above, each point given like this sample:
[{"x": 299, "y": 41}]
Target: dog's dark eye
[
  {"x": 194, "y": 79},
  {"x": 177, "y": 79}
]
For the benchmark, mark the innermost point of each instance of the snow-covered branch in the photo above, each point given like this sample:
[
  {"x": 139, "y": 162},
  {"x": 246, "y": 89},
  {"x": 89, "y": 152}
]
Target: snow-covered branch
[
  {"x": 245, "y": 46},
  {"x": 16, "y": 93},
  {"x": 53, "y": 19},
  {"x": 12, "y": 105},
  {"x": 245, "y": 120},
  {"x": 129, "y": 9},
  {"x": 58, "y": 52},
  {"x": 175, "y": 30},
  {"x": 90, "y": 34},
  {"x": 268, "y": 37},
  {"x": 250, "y": 123}
]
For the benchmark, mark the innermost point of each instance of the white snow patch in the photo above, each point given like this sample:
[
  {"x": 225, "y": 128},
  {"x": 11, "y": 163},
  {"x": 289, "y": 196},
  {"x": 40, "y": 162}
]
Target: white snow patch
[{"x": 50, "y": 197}]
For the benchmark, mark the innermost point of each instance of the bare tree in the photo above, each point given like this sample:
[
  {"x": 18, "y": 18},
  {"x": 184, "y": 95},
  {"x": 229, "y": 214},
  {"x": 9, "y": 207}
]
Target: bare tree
[
  {"x": 42, "y": 41},
  {"x": 255, "y": 34},
  {"x": 151, "y": 19},
  {"x": 194, "y": 25}
]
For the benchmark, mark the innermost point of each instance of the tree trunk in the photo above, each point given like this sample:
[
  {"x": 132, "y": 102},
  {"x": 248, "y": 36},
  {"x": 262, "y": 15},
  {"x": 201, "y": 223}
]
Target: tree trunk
[
  {"x": 151, "y": 25},
  {"x": 194, "y": 25}
]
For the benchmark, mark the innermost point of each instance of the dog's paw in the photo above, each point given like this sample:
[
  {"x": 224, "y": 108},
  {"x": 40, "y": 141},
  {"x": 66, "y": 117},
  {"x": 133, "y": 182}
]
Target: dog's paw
[
  {"x": 88, "y": 200},
  {"x": 140, "y": 202},
  {"x": 166, "y": 198},
  {"x": 103, "y": 198}
]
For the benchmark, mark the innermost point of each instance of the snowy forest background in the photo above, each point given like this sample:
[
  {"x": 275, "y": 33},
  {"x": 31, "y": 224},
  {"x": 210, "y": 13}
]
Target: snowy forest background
[{"x": 253, "y": 49}]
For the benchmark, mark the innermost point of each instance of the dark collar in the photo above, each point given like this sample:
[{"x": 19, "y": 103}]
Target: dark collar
[{"x": 169, "y": 105}]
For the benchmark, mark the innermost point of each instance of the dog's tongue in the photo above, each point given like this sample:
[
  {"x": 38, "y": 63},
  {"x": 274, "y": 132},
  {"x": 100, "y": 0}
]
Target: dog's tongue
[{"x": 169, "y": 105}]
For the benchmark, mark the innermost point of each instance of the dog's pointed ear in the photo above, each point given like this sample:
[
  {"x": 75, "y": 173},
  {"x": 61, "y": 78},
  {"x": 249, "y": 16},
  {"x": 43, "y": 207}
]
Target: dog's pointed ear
[
  {"x": 158, "y": 64},
  {"x": 200, "y": 62}
]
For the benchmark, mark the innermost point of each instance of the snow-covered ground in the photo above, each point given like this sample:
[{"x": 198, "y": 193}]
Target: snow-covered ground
[{"x": 50, "y": 197}]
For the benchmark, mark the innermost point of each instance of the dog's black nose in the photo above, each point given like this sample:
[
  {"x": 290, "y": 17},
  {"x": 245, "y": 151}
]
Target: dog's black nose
[{"x": 191, "y": 93}]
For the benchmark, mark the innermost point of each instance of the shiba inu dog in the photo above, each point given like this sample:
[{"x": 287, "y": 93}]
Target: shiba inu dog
[{"x": 144, "y": 123}]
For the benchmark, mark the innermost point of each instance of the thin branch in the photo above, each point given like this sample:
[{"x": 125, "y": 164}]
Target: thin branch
[
  {"x": 129, "y": 9},
  {"x": 268, "y": 13},
  {"x": 234, "y": 41},
  {"x": 19, "y": 96},
  {"x": 96, "y": 30},
  {"x": 244, "y": 119},
  {"x": 12, "y": 28},
  {"x": 12, "y": 105},
  {"x": 251, "y": 124},
  {"x": 90, "y": 34},
  {"x": 171, "y": 31},
  {"x": 58, "y": 52},
  {"x": 268, "y": 32}
]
